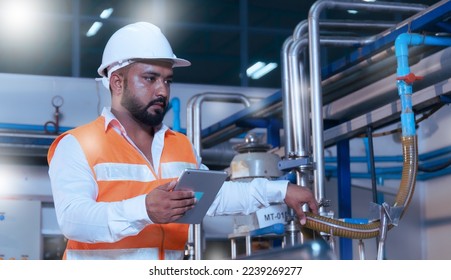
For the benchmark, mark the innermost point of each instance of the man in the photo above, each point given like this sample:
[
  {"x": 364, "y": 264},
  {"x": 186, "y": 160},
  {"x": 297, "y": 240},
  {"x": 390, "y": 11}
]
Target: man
[{"x": 112, "y": 178}]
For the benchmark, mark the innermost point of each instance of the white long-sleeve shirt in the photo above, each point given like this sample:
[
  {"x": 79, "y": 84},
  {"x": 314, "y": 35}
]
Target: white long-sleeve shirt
[{"x": 83, "y": 219}]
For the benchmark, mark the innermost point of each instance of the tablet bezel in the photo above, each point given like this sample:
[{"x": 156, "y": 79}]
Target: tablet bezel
[{"x": 207, "y": 182}]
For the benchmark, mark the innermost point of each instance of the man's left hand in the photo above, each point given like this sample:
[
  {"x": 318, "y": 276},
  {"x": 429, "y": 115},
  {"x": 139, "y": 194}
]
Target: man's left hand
[{"x": 296, "y": 197}]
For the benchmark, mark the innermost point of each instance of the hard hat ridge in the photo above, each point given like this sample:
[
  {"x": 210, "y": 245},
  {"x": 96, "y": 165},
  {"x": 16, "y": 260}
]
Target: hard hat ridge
[{"x": 140, "y": 40}]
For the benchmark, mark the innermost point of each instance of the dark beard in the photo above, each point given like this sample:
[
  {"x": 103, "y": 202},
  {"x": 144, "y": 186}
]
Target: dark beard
[{"x": 141, "y": 114}]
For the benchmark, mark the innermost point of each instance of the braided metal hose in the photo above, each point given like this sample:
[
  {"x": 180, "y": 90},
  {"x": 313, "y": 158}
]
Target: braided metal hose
[{"x": 403, "y": 198}]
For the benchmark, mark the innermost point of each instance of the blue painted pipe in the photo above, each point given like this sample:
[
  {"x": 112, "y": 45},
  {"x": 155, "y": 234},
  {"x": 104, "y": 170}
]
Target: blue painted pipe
[
  {"x": 175, "y": 105},
  {"x": 273, "y": 229},
  {"x": 402, "y": 44},
  {"x": 29, "y": 127}
]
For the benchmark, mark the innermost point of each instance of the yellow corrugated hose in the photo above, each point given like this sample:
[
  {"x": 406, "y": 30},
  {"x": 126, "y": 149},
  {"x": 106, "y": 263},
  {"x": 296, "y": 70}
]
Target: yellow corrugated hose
[{"x": 403, "y": 198}]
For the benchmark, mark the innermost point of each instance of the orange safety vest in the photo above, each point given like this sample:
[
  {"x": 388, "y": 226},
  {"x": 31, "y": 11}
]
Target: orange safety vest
[{"x": 107, "y": 150}]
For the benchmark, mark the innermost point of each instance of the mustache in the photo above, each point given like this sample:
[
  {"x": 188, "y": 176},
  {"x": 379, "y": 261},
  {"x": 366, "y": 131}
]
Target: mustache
[{"x": 160, "y": 99}]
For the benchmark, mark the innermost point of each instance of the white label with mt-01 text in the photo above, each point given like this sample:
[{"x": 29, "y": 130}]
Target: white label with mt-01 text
[{"x": 271, "y": 215}]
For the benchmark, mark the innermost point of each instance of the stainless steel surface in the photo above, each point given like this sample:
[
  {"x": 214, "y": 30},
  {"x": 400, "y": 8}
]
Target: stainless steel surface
[{"x": 311, "y": 250}]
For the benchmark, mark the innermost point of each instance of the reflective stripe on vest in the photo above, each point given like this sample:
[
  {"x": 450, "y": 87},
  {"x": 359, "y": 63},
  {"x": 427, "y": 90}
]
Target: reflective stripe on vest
[
  {"x": 121, "y": 172},
  {"x": 123, "y": 254},
  {"x": 138, "y": 172}
]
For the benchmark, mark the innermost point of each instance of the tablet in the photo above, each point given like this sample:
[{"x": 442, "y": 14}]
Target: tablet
[{"x": 205, "y": 184}]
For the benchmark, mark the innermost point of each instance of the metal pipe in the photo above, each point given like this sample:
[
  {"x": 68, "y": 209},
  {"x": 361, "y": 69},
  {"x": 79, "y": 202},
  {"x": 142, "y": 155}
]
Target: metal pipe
[
  {"x": 315, "y": 73},
  {"x": 294, "y": 85},
  {"x": 346, "y": 24},
  {"x": 196, "y": 111},
  {"x": 384, "y": 223},
  {"x": 361, "y": 250},
  {"x": 436, "y": 67},
  {"x": 190, "y": 118},
  {"x": 343, "y": 76},
  {"x": 299, "y": 97},
  {"x": 193, "y": 129},
  {"x": 296, "y": 102},
  {"x": 286, "y": 98},
  {"x": 410, "y": 150},
  {"x": 298, "y": 90}
]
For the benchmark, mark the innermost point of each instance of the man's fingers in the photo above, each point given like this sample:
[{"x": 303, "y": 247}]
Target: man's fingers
[
  {"x": 313, "y": 207},
  {"x": 168, "y": 186},
  {"x": 301, "y": 215},
  {"x": 183, "y": 203},
  {"x": 179, "y": 195}
]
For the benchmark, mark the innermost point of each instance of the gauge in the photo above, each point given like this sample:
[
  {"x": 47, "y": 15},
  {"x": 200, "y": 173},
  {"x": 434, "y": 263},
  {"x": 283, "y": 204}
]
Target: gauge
[{"x": 57, "y": 101}]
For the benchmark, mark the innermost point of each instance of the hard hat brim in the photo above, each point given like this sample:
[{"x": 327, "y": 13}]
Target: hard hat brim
[
  {"x": 176, "y": 62},
  {"x": 180, "y": 62}
]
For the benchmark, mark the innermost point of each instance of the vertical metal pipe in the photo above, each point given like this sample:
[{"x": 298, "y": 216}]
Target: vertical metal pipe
[
  {"x": 383, "y": 233},
  {"x": 300, "y": 107},
  {"x": 286, "y": 98},
  {"x": 292, "y": 228},
  {"x": 190, "y": 254},
  {"x": 361, "y": 250},
  {"x": 233, "y": 248},
  {"x": 197, "y": 241},
  {"x": 296, "y": 111},
  {"x": 248, "y": 245},
  {"x": 190, "y": 118},
  {"x": 316, "y": 101}
]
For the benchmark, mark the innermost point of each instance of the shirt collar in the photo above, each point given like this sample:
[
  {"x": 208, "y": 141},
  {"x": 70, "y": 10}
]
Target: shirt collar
[{"x": 111, "y": 120}]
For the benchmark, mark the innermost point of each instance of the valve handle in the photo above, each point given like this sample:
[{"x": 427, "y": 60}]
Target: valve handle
[{"x": 410, "y": 78}]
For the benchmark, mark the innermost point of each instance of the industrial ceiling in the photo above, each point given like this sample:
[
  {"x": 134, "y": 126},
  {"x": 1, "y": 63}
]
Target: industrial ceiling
[{"x": 221, "y": 38}]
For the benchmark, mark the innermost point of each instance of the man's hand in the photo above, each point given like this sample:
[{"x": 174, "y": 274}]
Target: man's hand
[
  {"x": 296, "y": 197},
  {"x": 165, "y": 206}
]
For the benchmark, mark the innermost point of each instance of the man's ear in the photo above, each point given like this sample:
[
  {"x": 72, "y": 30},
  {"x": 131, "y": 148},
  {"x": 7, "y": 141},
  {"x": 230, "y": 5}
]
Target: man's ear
[{"x": 116, "y": 83}]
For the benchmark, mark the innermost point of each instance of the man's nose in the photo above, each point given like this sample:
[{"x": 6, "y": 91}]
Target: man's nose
[{"x": 162, "y": 88}]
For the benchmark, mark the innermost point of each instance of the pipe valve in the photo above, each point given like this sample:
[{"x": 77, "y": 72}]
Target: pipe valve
[{"x": 409, "y": 78}]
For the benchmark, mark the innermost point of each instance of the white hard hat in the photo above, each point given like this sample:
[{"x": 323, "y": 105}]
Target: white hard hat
[{"x": 141, "y": 40}]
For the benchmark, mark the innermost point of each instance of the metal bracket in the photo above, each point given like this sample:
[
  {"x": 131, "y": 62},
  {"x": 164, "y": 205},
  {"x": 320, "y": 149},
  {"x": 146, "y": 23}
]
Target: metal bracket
[
  {"x": 393, "y": 213},
  {"x": 388, "y": 216},
  {"x": 290, "y": 164}
]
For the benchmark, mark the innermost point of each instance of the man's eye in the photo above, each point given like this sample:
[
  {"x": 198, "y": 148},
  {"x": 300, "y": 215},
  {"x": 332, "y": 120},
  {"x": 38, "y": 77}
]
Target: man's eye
[
  {"x": 168, "y": 82},
  {"x": 150, "y": 78}
]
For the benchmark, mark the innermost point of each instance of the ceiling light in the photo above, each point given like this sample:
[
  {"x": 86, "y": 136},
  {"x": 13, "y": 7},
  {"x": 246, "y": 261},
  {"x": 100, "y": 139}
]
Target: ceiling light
[
  {"x": 369, "y": 0},
  {"x": 106, "y": 13},
  {"x": 254, "y": 68},
  {"x": 264, "y": 70},
  {"x": 94, "y": 29},
  {"x": 353, "y": 12}
]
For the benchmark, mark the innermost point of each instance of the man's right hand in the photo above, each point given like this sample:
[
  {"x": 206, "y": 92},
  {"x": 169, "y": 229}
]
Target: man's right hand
[{"x": 165, "y": 206}]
